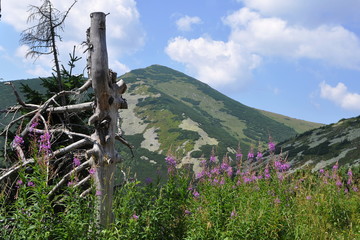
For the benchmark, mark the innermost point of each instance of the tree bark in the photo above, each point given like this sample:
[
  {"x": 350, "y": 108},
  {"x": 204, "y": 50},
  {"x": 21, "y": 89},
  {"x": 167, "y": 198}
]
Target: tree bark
[{"x": 105, "y": 118}]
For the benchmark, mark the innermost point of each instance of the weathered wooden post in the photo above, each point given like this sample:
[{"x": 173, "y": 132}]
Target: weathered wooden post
[{"x": 108, "y": 101}]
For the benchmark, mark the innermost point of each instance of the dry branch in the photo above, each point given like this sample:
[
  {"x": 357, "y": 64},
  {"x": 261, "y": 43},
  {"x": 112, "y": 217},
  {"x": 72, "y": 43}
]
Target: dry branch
[
  {"x": 70, "y": 147},
  {"x": 14, "y": 168},
  {"x": 83, "y": 181},
  {"x": 66, "y": 177},
  {"x": 18, "y": 98},
  {"x": 71, "y": 108},
  {"x": 84, "y": 87}
]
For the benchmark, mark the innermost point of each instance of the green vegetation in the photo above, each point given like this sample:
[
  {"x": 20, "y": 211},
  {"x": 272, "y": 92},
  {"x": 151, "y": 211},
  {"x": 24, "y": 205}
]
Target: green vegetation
[
  {"x": 336, "y": 142},
  {"x": 166, "y": 93},
  {"x": 221, "y": 202},
  {"x": 298, "y": 125},
  {"x": 178, "y": 97}
]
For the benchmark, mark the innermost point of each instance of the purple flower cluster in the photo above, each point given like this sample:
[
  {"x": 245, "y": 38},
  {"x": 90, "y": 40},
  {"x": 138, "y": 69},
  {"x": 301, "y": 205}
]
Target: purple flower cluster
[
  {"x": 196, "y": 194},
  {"x": 76, "y": 162},
  {"x": 203, "y": 163},
  {"x": 271, "y": 146},
  {"x": 18, "y": 141},
  {"x": 350, "y": 175},
  {"x": 19, "y": 183},
  {"x": 259, "y": 156},
  {"x": 44, "y": 142},
  {"x": 250, "y": 156},
  {"x": 33, "y": 126},
  {"x": 335, "y": 167},
  {"x": 31, "y": 184},
  {"x": 267, "y": 173},
  {"x": 170, "y": 161},
  {"x": 281, "y": 167}
]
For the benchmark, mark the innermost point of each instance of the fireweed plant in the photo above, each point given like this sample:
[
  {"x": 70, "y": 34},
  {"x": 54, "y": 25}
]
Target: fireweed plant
[{"x": 228, "y": 199}]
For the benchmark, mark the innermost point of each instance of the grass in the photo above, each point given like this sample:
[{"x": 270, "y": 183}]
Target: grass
[{"x": 224, "y": 201}]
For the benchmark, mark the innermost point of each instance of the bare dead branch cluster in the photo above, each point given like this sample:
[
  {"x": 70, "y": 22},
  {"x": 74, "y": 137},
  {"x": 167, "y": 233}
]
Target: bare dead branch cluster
[
  {"x": 39, "y": 112},
  {"x": 98, "y": 149}
]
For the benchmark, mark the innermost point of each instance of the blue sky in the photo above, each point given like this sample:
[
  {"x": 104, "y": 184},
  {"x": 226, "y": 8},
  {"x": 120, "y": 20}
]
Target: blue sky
[{"x": 299, "y": 58}]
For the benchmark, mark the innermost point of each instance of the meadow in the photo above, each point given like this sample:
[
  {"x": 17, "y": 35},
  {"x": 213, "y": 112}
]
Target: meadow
[{"x": 226, "y": 200}]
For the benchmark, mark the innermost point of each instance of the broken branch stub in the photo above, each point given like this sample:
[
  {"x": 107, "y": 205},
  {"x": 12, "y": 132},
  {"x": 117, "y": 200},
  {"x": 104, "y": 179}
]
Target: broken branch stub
[{"x": 108, "y": 101}]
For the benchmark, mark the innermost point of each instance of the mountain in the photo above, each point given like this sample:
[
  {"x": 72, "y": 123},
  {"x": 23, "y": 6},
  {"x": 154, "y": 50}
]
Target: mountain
[
  {"x": 323, "y": 147},
  {"x": 170, "y": 112}
]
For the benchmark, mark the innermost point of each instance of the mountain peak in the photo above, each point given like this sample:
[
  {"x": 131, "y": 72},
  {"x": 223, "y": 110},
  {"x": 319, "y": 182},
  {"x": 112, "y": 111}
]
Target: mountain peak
[{"x": 178, "y": 113}]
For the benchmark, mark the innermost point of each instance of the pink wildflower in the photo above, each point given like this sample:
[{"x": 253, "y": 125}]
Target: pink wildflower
[
  {"x": 76, "y": 162},
  {"x": 18, "y": 141},
  {"x": 196, "y": 194},
  {"x": 33, "y": 125},
  {"x": 212, "y": 159},
  {"x": 44, "y": 141},
  {"x": 31, "y": 184},
  {"x": 250, "y": 155},
  {"x": 271, "y": 146},
  {"x": 339, "y": 183},
  {"x": 336, "y": 166}
]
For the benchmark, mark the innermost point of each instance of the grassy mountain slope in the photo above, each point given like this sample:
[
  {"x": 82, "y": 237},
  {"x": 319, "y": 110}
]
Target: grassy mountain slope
[
  {"x": 170, "y": 111},
  {"x": 324, "y": 146},
  {"x": 298, "y": 125}
]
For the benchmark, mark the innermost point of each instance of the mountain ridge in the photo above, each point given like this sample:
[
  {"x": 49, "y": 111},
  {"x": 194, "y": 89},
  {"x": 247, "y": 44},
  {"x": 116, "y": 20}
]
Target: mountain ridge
[
  {"x": 171, "y": 112},
  {"x": 176, "y": 113}
]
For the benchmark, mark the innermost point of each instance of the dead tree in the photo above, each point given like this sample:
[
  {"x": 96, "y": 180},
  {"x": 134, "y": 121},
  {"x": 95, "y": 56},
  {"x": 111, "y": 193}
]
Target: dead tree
[
  {"x": 42, "y": 37},
  {"x": 108, "y": 101},
  {"x": 98, "y": 150}
]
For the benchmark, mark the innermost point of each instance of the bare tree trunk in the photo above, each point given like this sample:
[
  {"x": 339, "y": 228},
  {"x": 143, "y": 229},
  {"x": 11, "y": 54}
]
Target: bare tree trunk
[{"x": 108, "y": 100}]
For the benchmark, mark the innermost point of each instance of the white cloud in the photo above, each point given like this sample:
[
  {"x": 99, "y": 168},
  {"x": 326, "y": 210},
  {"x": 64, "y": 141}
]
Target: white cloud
[
  {"x": 275, "y": 37},
  {"x": 119, "y": 67},
  {"x": 254, "y": 37},
  {"x": 308, "y": 12},
  {"x": 39, "y": 71},
  {"x": 185, "y": 23},
  {"x": 42, "y": 67},
  {"x": 217, "y": 63},
  {"x": 125, "y": 34},
  {"x": 340, "y": 96}
]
